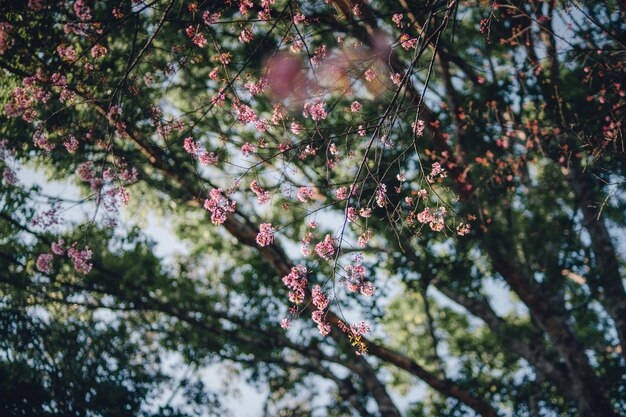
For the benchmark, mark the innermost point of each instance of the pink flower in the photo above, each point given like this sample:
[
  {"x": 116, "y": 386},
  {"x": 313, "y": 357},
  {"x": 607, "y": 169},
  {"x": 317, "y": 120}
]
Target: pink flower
[
  {"x": 418, "y": 127},
  {"x": 41, "y": 141},
  {"x": 71, "y": 144},
  {"x": 407, "y": 42},
  {"x": 463, "y": 229},
  {"x": 367, "y": 289},
  {"x": 265, "y": 237},
  {"x": 82, "y": 10},
  {"x": 396, "y": 78},
  {"x": 364, "y": 238},
  {"x": 381, "y": 195},
  {"x": 298, "y": 18},
  {"x": 369, "y": 74},
  {"x": 365, "y": 212},
  {"x": 325, "y": 249},
  {"x": 353, "y": 214},
  {"x": 57, "y": 247},
  {"x": 263, "y": 196},
  {"x": 360, "y": 329},
  {"x": 246, "y": 36},
  {"x": 320, "y": 300},
  {"x": 318, "y": 317},
  {"x": 67, "y": 53},
  {"x": 219, "y": 206},
  {"x": 5, "y": 39},
  {"x": 341, "y": 193},
  {"x": 305, "y": 194},
  {"x": 296, "y": 281},
  {"x": 285, "y": 323},
  {"x": 354, "y": 277},
  {"x": 397, "y": 19},
  {"x": 355, "y": 107},
  {"x": 199, "y": 40},
  {"x": 80, "y": 258},
  {"x": 247, "y": 148},
  {"x": 245, "y": 114},
  {"x": 296, "y": 128},
  {"x": 305, "y": 247},
  {"x": 324, "y": 328},
  {"x": 315, "y": 110},
  {"x": 436, "y": 171},
  {"x": 256, "y": 87},
  {"x": 98, "y": 51},
  {"x": 424, "y": 216},
  {"x": 210, "y": 18},
  {"x": 44, "y": 263},
  {"x": 9, "y": 176}
]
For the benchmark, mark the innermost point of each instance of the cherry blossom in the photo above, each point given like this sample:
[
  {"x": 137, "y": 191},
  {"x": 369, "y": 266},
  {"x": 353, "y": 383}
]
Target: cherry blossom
[{"x": 265, "y": 237}]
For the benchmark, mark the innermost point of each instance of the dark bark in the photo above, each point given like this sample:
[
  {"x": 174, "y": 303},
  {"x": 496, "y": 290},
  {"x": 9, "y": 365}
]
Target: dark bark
[
  {"x": 606, "y": 279},
  {"x": 552, "y": 317}
]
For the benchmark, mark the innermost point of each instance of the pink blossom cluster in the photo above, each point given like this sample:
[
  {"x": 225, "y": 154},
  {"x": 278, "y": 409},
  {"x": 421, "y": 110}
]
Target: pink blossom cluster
[
  {"x": 219, "y": 205},
  {"x": 197, "y": 151},
  {"x": 71, "y": 144},
  {"x": 418, "y": 127},
  {"x": 245, "y": 114},
  {"x": 325, "y": 249},
  {"x": 24, "y": 99},
  {"x": 196, "y": 36},
  {"x": 247, "y": 148},
  {"x": 246, "y": 36},
  {"x": 320, "y": 301},
  {"x": 434, "y": 219},
  {"x": 296, "y": 282},
  {"x": 436, "y": 172},
  {"x": 80, "y": 258},
  {"x": 298, "y": 18},
  {"x": 320, "y": 54},
  {"x": 40, "y": 139},
  {"x": 360, "y": 329},
  {"x": 353, "y": 214},
  {"x": 67, "y": 53},
  {"x": 305, "y": 244},
  {"x": 315, "y": 110},
  {"x": 396, "y": 78},
  {"x": 305, "y": 194},
  {"x": 82, "y": 10},
  {"x": 48, "y": 218},
  {"x": 5, "y": 39},
  {"x": 87, "y": 172},
  {"x": 98, "y": 51},
  {"x": 258, "y": 87},
  {"x": 210, "y": 18},
  {"x": 463, "y": 229},
  {"x": 355, "y": 282},
  {"x": 265, "y": 237},
  {"x": 364, "y": 238},
  {"x": 263, "y": 196},
  {"x": 407, "y": 42},
  {"x": 44, "y": 262},
  {"x": 381, "y": 195},
  {"x": 397, "y": 19},
  {"x": 341, "y": 193}
]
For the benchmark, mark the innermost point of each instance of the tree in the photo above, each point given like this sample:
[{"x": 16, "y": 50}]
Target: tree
[{"x": 340, "y": 165}]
